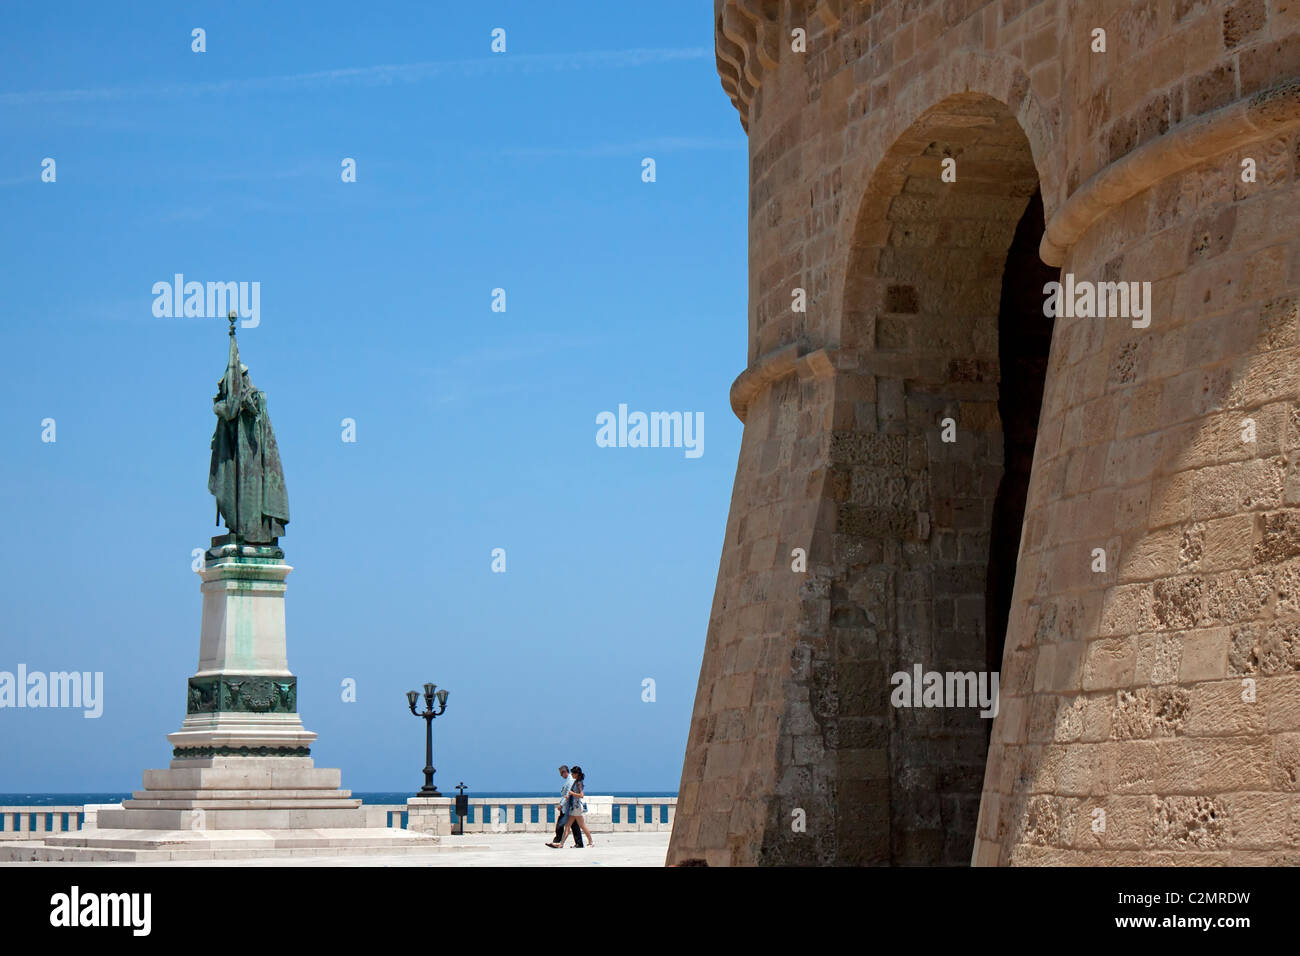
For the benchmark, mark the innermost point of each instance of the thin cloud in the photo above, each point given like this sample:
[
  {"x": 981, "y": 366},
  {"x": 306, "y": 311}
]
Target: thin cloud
[
  {"x": 201, "y": 212},
  {"x": 665, "y": 144},
  {"x": 384, "y": 75},
  {"x": 321, "y": 168}
]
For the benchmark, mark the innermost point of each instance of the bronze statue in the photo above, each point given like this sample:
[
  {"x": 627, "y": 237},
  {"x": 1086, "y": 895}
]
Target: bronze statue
[{"x": 245, "y": 475}]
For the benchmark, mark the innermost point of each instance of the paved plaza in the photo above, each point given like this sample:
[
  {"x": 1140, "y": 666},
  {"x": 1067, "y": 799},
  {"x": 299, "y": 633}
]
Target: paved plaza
[{"x": 472, "y": 849}]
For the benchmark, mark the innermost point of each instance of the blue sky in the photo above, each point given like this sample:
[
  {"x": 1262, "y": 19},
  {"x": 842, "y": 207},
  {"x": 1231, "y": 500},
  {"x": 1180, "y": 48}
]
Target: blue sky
[{"x": 475, "y": 429}]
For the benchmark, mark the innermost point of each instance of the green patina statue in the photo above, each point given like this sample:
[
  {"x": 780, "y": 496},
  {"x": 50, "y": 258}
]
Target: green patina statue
[{"x": 245, "y": 475}]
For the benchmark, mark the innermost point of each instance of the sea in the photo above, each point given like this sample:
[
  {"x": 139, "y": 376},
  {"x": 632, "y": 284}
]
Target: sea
[{"x": 385, "y": 796}]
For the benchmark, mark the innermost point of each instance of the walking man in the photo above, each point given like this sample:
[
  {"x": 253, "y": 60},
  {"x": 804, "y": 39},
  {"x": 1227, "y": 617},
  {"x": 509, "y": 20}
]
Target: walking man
[{"x": 561, "y": 813}]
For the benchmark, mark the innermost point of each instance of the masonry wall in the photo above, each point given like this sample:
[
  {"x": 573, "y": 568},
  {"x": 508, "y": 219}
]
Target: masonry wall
[
  {"x": 1128, "y": 734},
  {"x": 1121, "y": 690}
]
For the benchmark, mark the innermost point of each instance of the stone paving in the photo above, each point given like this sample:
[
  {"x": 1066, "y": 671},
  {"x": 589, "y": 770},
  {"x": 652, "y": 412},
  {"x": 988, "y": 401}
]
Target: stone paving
[{"x": 475, "y": 849}]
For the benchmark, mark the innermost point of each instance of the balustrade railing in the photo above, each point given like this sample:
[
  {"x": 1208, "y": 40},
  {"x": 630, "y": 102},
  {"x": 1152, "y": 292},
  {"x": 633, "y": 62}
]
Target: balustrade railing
[
  {"x": 31, "y": 823},
  {"x": 605, "y": 814}
]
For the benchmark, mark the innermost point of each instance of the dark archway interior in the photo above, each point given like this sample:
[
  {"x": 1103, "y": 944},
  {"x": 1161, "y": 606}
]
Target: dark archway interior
[
  {"x": 1024, "y": 340},
  {"x": 944, "y": 300}
]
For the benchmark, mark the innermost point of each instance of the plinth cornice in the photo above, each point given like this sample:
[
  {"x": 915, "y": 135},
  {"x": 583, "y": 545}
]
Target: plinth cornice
[
  {"x": 1247, "y": 121},
  {"x": 792, "y": 359}
]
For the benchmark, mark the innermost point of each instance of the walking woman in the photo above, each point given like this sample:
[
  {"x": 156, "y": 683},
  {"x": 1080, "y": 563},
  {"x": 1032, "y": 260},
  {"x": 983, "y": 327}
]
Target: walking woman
[{"x": 576, "y": 817}]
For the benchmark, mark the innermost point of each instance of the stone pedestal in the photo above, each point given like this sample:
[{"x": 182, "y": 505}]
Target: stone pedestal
[
  {"x": 241, "y": 779},
  {"x": 243, "y": 699},
  {"x": 430, "y": 815}
]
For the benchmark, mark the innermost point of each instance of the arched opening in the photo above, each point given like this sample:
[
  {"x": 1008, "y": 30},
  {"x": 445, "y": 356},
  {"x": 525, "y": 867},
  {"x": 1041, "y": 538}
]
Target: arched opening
[
  {"x": 1024, "y": 339},
  {"x": 929, "y": 472}
]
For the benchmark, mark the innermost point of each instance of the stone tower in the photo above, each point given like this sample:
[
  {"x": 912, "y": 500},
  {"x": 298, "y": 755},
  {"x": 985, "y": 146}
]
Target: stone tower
[{"x": 1114, "y": 524}]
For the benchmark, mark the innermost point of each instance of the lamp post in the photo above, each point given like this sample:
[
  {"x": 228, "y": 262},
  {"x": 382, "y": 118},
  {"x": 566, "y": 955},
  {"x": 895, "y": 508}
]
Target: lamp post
[{"x": 428, "y": 790}]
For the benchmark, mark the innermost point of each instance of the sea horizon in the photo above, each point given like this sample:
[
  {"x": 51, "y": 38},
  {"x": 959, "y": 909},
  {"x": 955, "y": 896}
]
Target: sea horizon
[{"x": 49, "y": 799}]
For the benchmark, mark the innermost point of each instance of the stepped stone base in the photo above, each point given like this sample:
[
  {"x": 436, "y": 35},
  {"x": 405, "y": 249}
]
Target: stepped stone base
[
  {"x": 227, "y": 808},
  {"x": 147, "y": 846},
  {"x": 238, "y": 793}
]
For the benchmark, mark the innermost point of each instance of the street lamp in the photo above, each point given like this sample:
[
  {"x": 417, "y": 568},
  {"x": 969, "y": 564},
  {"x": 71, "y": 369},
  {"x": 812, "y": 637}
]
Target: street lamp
[{"x": 430, "y": 692}]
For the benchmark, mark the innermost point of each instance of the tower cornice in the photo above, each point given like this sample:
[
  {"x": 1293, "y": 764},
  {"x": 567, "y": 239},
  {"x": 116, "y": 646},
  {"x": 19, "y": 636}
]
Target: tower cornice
[{"x": 748, "y": 40}]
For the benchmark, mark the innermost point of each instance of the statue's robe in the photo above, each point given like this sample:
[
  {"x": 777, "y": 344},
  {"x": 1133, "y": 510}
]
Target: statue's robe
[{"x": 245, "y": 475}]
